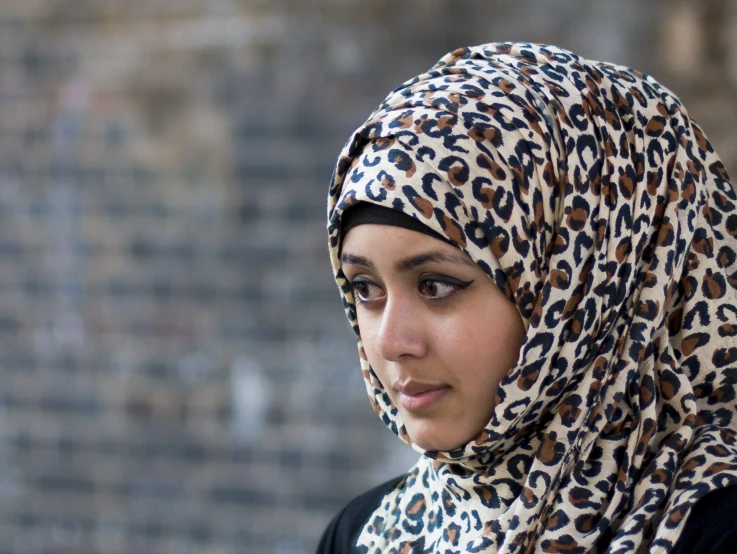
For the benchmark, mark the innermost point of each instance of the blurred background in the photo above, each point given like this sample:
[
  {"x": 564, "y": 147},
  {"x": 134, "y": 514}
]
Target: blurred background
[{"x": 176, "y": 371}]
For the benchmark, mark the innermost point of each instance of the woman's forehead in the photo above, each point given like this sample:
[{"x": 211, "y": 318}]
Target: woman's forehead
[{"x": 373, "y": 245}]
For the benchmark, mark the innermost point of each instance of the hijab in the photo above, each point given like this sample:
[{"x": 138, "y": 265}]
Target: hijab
[{"x": 589, "y": 196}]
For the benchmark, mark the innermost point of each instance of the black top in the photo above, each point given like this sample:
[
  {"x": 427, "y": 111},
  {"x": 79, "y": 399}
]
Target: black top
[{"x": 711, "y": 528}]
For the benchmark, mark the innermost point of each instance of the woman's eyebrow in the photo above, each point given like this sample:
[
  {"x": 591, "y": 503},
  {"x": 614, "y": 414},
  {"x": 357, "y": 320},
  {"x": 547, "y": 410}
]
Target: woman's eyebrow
[
  {"x": 436, "y": 256},
  {"x": 351, "y": 259},
  {"x": 407, "y": 264}
]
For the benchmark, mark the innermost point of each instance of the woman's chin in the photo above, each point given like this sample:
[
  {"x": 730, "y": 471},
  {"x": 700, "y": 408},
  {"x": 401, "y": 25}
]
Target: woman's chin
[
  {"x": 434, "y": 440},
  {"x": 443, "y": 432}
]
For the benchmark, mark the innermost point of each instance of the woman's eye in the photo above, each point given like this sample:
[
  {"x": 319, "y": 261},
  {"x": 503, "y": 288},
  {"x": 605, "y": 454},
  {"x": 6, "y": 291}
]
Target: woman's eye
[
  {"x": 434, "y": 287},
  {"x": 366, "y": 291}
]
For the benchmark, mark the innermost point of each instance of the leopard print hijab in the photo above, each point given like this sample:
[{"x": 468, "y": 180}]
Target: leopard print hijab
[{"x": 587, "y": 194}]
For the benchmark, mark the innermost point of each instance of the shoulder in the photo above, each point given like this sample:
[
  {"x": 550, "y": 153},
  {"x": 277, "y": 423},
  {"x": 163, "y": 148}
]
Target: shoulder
[
  {"x": 711, "y": 528},
  {"x": 342, "y": 532}
]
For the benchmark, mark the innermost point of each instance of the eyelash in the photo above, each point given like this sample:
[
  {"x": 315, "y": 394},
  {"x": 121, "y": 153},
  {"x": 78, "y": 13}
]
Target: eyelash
[{"x": 437, "y": 279}]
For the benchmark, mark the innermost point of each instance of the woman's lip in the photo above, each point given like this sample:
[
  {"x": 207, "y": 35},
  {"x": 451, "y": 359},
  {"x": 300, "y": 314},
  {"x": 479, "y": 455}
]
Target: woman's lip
[{"x": 421, "y": 400}]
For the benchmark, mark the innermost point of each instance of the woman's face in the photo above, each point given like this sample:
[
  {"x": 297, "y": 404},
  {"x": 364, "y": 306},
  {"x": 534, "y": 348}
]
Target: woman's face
[{"x": 437, "y": 332}]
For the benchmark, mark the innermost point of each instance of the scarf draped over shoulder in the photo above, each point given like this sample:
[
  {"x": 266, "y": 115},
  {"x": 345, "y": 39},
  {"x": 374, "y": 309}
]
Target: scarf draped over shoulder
[{"x": 590, "y": 197}]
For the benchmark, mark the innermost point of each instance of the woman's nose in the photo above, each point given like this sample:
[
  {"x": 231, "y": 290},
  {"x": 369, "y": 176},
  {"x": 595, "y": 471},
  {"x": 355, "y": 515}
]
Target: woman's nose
[{"x": 401, "y": 331}]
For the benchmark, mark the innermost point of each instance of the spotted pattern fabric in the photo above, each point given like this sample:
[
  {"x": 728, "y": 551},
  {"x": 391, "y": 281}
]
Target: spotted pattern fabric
[{"x": 590, "y": 197}]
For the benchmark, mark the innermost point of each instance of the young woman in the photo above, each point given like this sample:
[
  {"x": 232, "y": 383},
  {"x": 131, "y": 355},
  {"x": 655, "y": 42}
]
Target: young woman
[{"x": 538, "y": 255}]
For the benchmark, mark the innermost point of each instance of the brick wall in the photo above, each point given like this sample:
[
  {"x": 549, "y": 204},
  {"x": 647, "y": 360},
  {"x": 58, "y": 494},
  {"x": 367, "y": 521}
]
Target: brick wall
[{"x": 176, "y": 372}]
